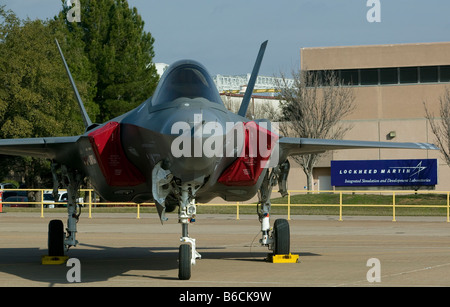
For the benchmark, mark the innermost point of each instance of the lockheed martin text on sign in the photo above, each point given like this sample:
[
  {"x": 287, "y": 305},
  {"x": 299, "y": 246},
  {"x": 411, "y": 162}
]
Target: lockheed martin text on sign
[{"x": 414, "y": 172}]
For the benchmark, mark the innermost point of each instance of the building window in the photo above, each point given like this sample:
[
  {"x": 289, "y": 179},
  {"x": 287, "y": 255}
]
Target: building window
[
  {"x": 388, "y": 75},
  {"x": 409, "y": 74},
  {"x": 429, "y": 74},
  {"x": 369, "y": 76},
  {"x": 318, "y": 76},
  {"x": 445, "y": 73},
  {"x": 349, "y": 77}
]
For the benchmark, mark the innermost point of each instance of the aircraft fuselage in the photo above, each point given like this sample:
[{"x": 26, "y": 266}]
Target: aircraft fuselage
[{"x": 185, "y": 125}]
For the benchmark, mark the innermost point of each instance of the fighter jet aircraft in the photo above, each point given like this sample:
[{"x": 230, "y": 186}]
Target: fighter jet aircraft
[{"x": 179, "y": 147}]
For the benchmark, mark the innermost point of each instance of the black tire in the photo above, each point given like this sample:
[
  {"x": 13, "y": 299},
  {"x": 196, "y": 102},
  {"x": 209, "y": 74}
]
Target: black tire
[
  {"x": 281, "y": 236},
  {"x": 56, "y": 238},
  {"x": 184, "y": 262}
]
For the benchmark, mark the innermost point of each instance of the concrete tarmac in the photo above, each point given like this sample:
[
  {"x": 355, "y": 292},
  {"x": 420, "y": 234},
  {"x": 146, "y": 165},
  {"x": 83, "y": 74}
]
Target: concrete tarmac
[{"x": 120, "y": 250}]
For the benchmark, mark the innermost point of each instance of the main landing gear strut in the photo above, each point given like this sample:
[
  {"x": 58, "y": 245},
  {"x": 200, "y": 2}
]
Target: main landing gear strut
[
  {"x": 279, "y": 240},
  {"x": 59, "y": 241}
]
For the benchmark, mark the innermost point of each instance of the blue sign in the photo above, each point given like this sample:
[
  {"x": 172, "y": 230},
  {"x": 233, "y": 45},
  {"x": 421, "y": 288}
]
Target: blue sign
[{"x": 418, "y": 172}]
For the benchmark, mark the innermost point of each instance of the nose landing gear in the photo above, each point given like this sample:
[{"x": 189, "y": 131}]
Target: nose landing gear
[{"x": 187, "y": 252}]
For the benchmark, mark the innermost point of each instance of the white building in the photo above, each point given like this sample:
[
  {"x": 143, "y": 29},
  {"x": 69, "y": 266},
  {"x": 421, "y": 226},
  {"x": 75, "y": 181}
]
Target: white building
[
  {"x": 238, "y": 84},
  {"x": 160, "y": 68}
]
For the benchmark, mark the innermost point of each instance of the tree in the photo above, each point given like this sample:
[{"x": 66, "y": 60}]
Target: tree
[
  {"x": 36, "y": 99},
  {"x": 440, "y": 126},
  {"x": 110, "y": 57},
  {"x": 120, "y": 52},
  {"x": 313, "y": 108}
]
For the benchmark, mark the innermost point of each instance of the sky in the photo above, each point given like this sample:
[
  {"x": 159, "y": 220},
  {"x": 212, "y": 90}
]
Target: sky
[{"x": 225, "y": 35}]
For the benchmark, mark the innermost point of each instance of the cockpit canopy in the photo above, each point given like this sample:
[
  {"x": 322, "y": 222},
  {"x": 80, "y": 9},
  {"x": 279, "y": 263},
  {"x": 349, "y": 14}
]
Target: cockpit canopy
[{"x": 187, "y": 79}]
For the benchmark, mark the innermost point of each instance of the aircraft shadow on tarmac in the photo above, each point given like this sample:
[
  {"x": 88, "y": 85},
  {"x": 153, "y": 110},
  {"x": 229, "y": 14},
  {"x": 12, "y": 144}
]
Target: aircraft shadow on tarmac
[{"x": 101, "y": 263}]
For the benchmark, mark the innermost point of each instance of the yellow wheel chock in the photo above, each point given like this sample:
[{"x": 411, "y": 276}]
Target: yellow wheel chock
[
  {"x": 289, "y": 258},
  {"x": 54, "y": 259}
]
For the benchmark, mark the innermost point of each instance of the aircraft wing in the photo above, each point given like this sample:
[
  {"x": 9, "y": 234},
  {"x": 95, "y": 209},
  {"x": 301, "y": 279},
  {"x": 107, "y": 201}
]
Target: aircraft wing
[
  {"x": 301, "y": 146},
  {"x": 55, "y": 148}
]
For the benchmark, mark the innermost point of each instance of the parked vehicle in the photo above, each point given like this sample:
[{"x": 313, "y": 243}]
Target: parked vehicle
[
  {"x": 11, "y": 201},
  {"x": 48, "y": 200},
  {"x": 7, "y": 185},
  {"x": 61, "y": 201},
  {"x": 6, "y": 194}
]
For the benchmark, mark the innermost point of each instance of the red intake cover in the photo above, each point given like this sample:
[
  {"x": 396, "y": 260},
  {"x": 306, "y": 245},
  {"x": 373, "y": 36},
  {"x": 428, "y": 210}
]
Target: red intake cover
[
  {"x": 116, "y": 168},
  {"x": 246, "y": 170}
]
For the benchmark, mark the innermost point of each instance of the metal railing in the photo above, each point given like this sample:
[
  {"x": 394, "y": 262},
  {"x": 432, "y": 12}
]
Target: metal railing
[
  {"x": 393, "y": 205},
  {"x": 90, "y": 203},
  {"x": 42, "y": 202}
]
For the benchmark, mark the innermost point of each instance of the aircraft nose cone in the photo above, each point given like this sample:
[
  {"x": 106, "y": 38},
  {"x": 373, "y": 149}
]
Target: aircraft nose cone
[
  {"x": 188, "y": 114},
  {"x": 197, "y": 141}
]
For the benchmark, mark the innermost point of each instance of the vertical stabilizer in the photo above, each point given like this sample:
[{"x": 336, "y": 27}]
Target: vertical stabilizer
[
  {"x": 251, "y": 83},
  {"x": 87, "y": 121}
]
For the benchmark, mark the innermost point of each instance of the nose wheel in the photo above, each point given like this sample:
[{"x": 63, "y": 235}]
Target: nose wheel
[{"x": 184, "y": 262}]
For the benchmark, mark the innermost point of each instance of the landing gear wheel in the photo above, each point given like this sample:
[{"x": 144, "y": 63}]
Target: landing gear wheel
[
  {"x": 281, "y": 237},
  {"x": 184, "y": 262},
  {"x": 56, "y": 238}
]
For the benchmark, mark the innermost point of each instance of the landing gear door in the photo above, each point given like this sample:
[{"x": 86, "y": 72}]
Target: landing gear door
[{"x": 282, "y": 178}]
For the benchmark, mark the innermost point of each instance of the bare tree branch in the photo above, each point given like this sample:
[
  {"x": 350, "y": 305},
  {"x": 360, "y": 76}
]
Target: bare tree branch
[
  {"x": 257, "y": 110},
  {"x": 440, "y": 126},
  {"x": 313, "y": 108}
]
